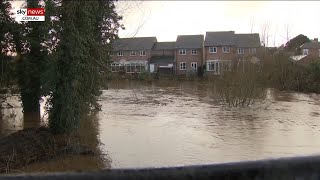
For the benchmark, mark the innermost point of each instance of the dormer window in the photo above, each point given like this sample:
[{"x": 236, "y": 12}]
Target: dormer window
[
  {"x": 120, "y": 53},
  {"x": 305, "y": 52},
  {"x": 182, "y": 51},
  {"x": 142, "y": 53}
]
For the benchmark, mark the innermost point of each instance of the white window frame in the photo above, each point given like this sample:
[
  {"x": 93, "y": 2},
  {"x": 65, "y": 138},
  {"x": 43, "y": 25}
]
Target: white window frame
[
  {"x": 192, "y": 66},
  {"x": 182, "y": 51},
  {"x": 116, "y": 67},
  {"x": 213, "y": 49},
  {"x": 120, "y": 53},
  {"x": 194, "y": 51},
  {"x": 305, "y": 52},
  {"x": 226, "y": 49},
  {"x": 181, "y": 66},
  {"x": 135, "y": 67},
  {"x": 216, "y": 66},
  {"x": 142, "y": 53},
  {"x": 240, "y": 50},
  {"x": 133, "y": 53}
]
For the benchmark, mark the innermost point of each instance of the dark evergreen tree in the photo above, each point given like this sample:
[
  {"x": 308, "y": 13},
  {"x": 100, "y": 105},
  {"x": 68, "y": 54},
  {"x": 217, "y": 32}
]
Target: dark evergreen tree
[{"x": 87, "y": 27}]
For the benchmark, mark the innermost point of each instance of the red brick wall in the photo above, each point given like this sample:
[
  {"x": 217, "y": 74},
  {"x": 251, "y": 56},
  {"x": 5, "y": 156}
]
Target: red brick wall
[
  {"x": 126, "y": 56},
  {"x": 188, "y": 58},
  {"x": 233, "y": 54},
  {"x": 313, "y": 52}
]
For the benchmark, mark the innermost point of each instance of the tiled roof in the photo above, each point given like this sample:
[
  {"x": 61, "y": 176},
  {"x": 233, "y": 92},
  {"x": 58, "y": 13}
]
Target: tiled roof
[
  {"x": 189, "y": 41},
  {"x": 136, "y": 43},
  {"x": 229, "y": 38},
  {"x": 311, "y": 45},
  {"x": 220, "y": 38},
  {"x": 164, "y": 45},
  {"x": 248, "y": 40}
]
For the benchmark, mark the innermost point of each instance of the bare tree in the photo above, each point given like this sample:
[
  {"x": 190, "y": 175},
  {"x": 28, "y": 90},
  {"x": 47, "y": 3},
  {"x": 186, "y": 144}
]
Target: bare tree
[
  {"x": 287, "y": 33},
  {"x": 265, "y": 30},
  {"x": 252, "y": 23},
  {"x": 275, "y": 30},
  {"x": 130, "y": 8}
]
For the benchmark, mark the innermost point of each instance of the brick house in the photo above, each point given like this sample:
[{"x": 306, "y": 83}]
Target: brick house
[
  {"x": 310, "y": 52},
  {"x": 132, "y": 55},
  {"x": 163, "y": 57},
  {"x": 188, "y": 53},
  {"x": 223, "y": 47},
  {"x": 311, "y": 48}
]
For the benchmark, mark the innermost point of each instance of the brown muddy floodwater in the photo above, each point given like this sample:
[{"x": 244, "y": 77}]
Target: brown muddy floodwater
[{"x": 170, "y": 123}]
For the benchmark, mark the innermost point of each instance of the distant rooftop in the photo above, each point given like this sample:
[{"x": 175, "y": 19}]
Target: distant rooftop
[
  {"x": 135, "y": 43},
  {"x": 164, "y": 45},
  {"x": 311, "y": 45},
  {"x": 220, "y": 38},
  {"x": 229, "y": 38},
  {"x": 189, "y": 41}
]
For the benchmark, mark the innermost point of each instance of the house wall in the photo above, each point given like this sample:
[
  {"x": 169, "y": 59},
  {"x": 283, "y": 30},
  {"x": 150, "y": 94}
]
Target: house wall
[
  {"x": 188, "y": 58},
  {"x": 232, "y": 55},
  {"x": 313, "y": 53},
  {"x": 126, "y": 56},
  {"x": 162, "y": 52},
  {"x": 220, "y": 55}
]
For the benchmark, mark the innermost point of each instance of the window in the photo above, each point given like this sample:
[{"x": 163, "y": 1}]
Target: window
[
  {"x": 213, "y": 66},
  {"x": 305, "y": 51},
  {"x": 212, "y": 49},
  {"x": 182, "y": 66},
  {"x": 253, "y": 50},
  {"x": 132, "y": 53},
  {"x": 135, "y": 67},
  {"x": 194, "y": 66},
  {"x": 111, "y": 53},
  {"x": 182, "y": 51},
  {"x": 116, "y": 67},
  {"x": 226, "y": 49},
  {"x": 240, "y": 51},
  {"x": 193, "y": 52},
  {"x": 120, "y": 53},
  {"x": 142, "y": 53}
]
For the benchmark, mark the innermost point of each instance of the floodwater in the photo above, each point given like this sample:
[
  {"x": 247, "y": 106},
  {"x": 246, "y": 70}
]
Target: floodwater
[{"x": 171, "y": 123}]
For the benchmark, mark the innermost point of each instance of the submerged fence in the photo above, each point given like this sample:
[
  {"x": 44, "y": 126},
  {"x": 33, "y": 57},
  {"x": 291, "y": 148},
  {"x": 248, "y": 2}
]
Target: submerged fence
[{"x": 285, "y": 168}]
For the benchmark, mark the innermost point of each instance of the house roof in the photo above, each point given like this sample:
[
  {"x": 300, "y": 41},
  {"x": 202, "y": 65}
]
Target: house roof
[
  {"x": 229, "y": 38},
  {"x": 164, "y": 45},
  {"x": 311, "y": 45},
  {"x": 161, "y": 59},
  {"x": 189, "y": 41},
  {"x": 220, "y": 38},
  {"x": 247, "y": 40},
  {"x": 135, "y": 43}
]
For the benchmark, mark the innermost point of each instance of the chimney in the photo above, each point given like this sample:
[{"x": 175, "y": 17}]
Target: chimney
[{"x": 316, "y": 39}]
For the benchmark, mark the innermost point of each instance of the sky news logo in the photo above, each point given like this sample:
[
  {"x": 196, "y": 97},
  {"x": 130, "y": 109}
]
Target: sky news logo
[{"x": 30, "y": 14}]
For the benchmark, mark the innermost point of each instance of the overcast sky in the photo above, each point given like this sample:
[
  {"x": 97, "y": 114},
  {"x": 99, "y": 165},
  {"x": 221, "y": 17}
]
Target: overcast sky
[{"x": 167, "y": 19}]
